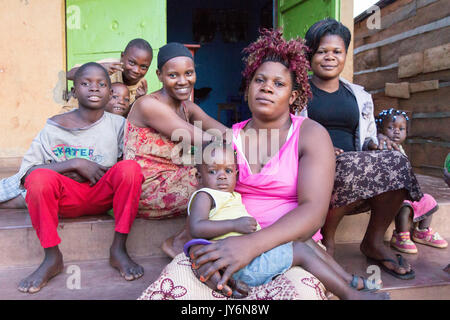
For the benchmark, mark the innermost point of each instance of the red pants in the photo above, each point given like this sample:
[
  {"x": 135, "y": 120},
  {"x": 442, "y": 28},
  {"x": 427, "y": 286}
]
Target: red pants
[{"x": 50, "y": 193}]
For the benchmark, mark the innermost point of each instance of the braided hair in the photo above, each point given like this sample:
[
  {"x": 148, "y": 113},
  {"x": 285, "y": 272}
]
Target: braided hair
[{"x": 389, "y": 114}]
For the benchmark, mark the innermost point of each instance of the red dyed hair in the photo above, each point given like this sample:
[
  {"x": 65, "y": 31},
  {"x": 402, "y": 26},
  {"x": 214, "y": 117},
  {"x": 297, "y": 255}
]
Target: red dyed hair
[{"x": 271, "y": 46}]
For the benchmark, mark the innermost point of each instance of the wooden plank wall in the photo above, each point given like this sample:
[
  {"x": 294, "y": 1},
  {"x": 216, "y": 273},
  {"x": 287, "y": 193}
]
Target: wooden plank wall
[{"x": 405, "y": 64}]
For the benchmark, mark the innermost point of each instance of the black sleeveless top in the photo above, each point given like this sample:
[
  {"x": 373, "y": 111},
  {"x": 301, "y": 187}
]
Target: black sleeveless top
[{"x": 338, "y": 112}]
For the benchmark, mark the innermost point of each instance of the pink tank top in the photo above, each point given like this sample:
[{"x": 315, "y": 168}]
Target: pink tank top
[{"x": 271, "y": 193}]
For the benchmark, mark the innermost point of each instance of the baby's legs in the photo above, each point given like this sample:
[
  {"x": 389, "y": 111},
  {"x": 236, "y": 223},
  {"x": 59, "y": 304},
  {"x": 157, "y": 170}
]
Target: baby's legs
[
  {"x": 402, "y": 219},
  {"x": 307, "y": 258},
  {"x": 319, "y": 251},
  {"x": 425, "y": 223}
]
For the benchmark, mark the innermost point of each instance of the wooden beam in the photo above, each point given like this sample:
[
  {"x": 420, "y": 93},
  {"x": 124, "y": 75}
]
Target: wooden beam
[{"x": 439, "y": 24}]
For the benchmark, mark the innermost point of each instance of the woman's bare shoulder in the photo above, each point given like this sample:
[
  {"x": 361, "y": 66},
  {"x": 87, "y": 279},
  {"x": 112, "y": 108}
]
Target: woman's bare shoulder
[
  {"x": 313, "y": 134},
  {"x": 148, "y": 106},
  {"x": 146, "y": 102},
  {"x": 310, "y": 127}
]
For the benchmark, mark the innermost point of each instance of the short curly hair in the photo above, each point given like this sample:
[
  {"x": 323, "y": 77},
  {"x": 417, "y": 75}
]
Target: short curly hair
[{"x": 271, "y": 46}]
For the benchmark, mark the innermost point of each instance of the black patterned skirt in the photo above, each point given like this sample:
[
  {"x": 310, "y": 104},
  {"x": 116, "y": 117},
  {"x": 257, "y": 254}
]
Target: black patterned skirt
[{"x": 362, "y": 175}]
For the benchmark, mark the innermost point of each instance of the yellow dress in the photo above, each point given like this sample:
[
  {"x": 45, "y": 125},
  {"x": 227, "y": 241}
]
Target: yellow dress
[{"x": 227, "y": 206}]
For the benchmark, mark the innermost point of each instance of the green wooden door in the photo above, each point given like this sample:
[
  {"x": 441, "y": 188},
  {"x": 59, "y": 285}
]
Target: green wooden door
[
  {"x": 296, "y": 16},
  {"x": 98, "y": 29}
]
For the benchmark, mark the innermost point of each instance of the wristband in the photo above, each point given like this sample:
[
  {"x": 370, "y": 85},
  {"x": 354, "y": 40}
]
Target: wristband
[{"x": 193, "y": 242}]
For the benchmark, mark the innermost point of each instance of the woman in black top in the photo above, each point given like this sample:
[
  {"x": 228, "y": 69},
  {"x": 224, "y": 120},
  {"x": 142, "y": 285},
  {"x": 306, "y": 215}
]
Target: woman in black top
[
  {"x": 341, "y": 125},
  {"x": 378, "y": 180}
]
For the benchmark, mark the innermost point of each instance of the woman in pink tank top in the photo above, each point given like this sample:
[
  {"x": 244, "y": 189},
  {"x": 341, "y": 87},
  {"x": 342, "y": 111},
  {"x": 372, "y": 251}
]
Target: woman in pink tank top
[
  {"x": 286, "y": 186},
  {"x": 271, "y": 193}
]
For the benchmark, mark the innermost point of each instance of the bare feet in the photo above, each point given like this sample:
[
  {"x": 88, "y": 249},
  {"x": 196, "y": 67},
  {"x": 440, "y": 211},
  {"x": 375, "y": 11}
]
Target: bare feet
[
  {"x": 120, "y": 259},
  {"x": 173, "y": 246},
  {"x": 51, "y": 266}
]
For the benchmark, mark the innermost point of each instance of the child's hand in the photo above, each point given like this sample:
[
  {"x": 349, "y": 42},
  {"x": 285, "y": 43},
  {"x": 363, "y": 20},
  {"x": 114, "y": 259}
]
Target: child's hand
[
  {"x": 90, "y": 170},
  {"x": 385, "y": 143},
  {"x": 245, "y": 225},
  {"x": 112, "y": 67},
  {"x": 338, "y": 151},
  {"x": 142, "y": 89}
]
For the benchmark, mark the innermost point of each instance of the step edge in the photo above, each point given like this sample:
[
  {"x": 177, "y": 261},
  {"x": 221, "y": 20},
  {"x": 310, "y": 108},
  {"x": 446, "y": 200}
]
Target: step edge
[
  {"x": 420, "y": 286},
  {"x": 71, "y": 262}
]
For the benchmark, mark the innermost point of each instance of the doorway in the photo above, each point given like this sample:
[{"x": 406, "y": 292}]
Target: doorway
[{"x": 222, "y": 29}]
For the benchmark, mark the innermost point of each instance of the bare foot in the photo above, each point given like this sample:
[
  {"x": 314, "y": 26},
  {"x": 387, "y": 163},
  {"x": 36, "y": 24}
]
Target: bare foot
[
  {"x": 128, "y": 269},
  {"x": 119, "y": 259},
  {"x": 51, "y": 266},
  {"x": 173, "y": 246}
]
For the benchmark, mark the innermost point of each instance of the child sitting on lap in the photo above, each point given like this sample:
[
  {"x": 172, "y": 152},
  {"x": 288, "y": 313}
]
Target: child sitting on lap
[
  {"x": 216, "y": 211},
  {"x": 394, "y": 124},
  {"x": 71, "y": 170}
]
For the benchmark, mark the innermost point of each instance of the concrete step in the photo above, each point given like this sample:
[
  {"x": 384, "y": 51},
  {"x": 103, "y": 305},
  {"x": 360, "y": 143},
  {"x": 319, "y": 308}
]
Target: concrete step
[
  {"x": 86, "y": 238},
  {"x": 89, "y": 238},
  {"x": 431, "y": 281},
  {"x": 97, "y": 281}
]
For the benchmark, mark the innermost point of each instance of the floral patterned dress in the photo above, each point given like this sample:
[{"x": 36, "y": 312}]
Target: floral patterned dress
[{"x": 168, "y": 183}]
